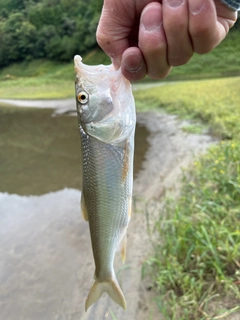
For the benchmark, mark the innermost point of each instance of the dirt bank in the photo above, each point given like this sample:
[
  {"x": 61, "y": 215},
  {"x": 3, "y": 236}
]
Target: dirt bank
[{"x": 45, "y": 245}]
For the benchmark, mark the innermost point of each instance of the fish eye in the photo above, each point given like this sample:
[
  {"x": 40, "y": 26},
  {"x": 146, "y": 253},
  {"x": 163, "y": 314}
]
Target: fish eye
[{"x": 83, "y": 97}]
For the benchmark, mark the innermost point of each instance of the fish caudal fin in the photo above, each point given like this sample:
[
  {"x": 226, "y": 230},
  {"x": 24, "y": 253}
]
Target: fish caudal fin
[{"x": 112, "y": 288}]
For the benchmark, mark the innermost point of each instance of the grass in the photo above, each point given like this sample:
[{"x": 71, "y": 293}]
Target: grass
[
  {"x": 112, "y": 314},
  {"x": 194, "y": 128},
  {"x": 43, "y": 79},
  {"x": 196, "y": 259},
  {"x": 215, "y": 102},
  {"x": 197, "y": 255},
  {"x": 57, "y": 84},
  {"x": 222, "y": 61}
]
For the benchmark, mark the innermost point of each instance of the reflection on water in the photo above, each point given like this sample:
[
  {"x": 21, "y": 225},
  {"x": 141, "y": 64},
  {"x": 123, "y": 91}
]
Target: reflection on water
[{"x": 40, "y": 153}]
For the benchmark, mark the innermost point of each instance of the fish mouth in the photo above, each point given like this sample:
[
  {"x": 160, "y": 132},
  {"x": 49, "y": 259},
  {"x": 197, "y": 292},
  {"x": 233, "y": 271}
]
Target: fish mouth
[
  {"x": 92, "y": 74},
  {"x": 106, "y": 78}
]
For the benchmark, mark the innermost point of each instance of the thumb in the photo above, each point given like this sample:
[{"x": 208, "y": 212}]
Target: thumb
[{"x": 113, "y": 30}]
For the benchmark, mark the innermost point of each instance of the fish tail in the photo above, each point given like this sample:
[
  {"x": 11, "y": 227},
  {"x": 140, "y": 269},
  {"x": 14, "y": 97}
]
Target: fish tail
[{"x": 110, "y": 286}]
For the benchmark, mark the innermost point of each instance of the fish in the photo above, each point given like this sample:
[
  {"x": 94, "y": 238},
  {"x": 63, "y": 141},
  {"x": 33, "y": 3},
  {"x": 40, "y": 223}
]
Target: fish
[{"x": 107, "y": 121}]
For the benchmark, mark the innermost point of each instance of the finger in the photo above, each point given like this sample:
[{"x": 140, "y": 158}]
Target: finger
[
  {"x": 226, "y": 16},
  {"x": 152, "y": 41},
  {"x": 205, "y": 29},
  {"x": 113, "y": 29},
  {"x": 175, "y": 24},
  {"x": 133, "y": 64}
]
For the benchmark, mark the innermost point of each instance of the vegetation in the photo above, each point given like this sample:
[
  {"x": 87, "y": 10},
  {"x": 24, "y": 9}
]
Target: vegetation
[
  {"x": 215, "y": 102},
  {"x": 53, "y": 29},
  {"x": 196, "y": 258},
  {"x": 45, "y": 79}
]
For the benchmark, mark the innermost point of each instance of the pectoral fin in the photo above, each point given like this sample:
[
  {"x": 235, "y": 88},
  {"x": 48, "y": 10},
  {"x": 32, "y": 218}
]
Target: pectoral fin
[{"x": 84, "y": 208}]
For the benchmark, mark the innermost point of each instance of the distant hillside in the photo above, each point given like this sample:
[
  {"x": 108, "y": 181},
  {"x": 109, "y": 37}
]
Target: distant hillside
[{"x": 53, "y": 29}]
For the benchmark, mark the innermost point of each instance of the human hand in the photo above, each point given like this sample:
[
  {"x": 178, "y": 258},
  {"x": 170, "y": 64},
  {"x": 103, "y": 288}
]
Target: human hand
[{"x": 146, "y": 37}]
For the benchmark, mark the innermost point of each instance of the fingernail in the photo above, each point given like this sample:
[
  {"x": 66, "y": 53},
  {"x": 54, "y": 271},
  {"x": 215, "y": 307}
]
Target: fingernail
[
  {"x": 133, "y": 64},
  {"x": 151, "y": 22},
  {"x": 196, "y": 6},
  {"x": 175, "y": 3}
]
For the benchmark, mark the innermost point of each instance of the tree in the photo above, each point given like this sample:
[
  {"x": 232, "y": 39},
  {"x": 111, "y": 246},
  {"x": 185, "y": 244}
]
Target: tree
[{"x": 17, "y": 38}]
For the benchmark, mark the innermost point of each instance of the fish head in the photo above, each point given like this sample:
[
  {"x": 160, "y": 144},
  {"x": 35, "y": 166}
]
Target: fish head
[
  {"x": 92, "y": 92},
  {"x": 105, "y": 104}
]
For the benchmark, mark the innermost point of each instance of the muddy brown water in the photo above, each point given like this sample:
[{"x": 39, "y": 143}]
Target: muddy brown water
[{"x": 40, "y": 153}]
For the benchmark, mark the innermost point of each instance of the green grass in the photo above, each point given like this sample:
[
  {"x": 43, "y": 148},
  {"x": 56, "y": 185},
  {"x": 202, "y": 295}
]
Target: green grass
[
  {"x": 39, "y": 80},
  {"x": 42, "y": 79},
  {"x": 196, "y": 259},
  {"x": 197, "y": 255},
  {"x": 216, "y": 102},
  {"x": 194, "y": 128},
  {"x": 222, "y": 61}
]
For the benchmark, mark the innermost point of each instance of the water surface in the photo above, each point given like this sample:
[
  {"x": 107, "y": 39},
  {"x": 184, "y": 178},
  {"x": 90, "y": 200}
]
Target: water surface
[{"x": 40, "y": 153}]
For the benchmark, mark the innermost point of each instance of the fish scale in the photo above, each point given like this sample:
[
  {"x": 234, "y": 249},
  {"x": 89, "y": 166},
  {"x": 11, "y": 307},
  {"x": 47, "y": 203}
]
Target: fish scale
[{"x": 101, "y": 206}]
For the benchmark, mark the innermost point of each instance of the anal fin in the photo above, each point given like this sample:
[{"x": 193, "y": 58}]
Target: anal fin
[
  {"x": 123, "y": 247},
  {"x": 84, "y": 208}
]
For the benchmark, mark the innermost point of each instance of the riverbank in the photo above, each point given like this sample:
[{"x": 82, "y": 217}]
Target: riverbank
[{"x": 196, "y": 261}]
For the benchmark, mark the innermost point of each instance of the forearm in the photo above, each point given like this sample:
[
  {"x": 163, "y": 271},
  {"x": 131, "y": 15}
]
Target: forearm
[{"x": 233, "y": 4}]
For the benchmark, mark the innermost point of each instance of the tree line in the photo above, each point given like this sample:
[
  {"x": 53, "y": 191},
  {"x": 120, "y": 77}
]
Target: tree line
[{"x": 53, "y": 29}]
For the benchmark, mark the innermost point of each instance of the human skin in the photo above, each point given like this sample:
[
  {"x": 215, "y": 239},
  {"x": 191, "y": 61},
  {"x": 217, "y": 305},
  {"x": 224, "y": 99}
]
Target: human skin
[{"x": 146, "y": 37}]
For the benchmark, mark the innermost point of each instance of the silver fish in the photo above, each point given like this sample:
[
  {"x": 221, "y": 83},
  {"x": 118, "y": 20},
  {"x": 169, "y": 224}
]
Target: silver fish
[{"x": 107, "y": 119}]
